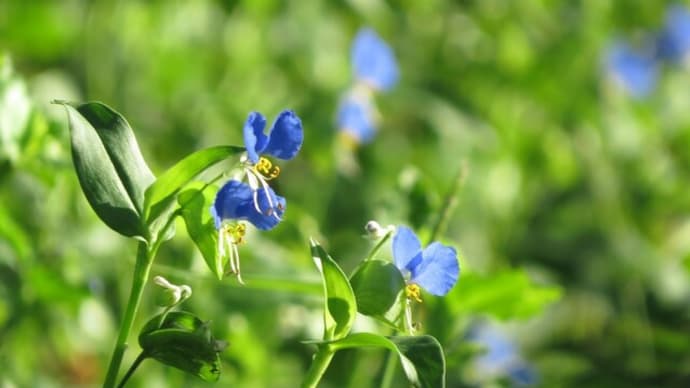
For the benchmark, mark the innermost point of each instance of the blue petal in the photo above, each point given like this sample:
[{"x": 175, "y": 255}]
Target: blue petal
[
  {"x": 229, "y": 199},
  {"x": 269, "y": 216},
  {"x": 286, "y": 136},
  {"x": 373, "y": 60},
  {"x": 356, "y": 118},
  {"x": 254, "y": 139},
  {"x": 634, "y": 68},
  {"x": 674, "y": 39},
  {"x": 407, "y": 250},
  {"x": 438, "y": 270}
]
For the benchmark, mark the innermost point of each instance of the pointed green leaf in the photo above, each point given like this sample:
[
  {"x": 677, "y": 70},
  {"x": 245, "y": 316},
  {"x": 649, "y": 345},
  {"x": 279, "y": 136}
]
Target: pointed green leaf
[
  {"x": 340, "y": 306},
  {"x": 160, "y": 196},
  {"x": 183, "y": 341},
  {"x": 195, "y": 203},
  {"x": 110, "y": 167},
  {"x": 421, "y": 356},
  {"x": 376, "y": 284}
]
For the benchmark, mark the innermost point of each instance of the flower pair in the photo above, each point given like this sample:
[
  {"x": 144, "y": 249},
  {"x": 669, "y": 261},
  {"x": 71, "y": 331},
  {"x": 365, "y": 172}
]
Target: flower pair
[
  {"x": 375, "y": 69},
  {"x": 255, "y": 201}
]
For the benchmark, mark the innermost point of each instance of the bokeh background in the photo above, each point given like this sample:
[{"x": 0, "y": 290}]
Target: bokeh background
[{"x": 568, "y": 122}]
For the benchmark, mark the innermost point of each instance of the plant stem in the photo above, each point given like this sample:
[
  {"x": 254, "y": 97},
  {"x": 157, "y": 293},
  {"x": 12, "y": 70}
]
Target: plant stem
[
  {"x": 378, "y": 246},
  {"x": 141, "y": 275},
  {"x": 389, "y": 371},
  {"x": 318, "y": 367},
  {"x": 141, "y": 357},
  {"x": 449, "y": 203}
]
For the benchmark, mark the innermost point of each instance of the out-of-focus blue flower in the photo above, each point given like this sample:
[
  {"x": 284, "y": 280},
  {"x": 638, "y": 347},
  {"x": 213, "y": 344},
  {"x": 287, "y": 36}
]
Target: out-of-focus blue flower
[
  {"x": 356, "y": 117},
  {"x": 283, "y": 141},
  {"x": 674, "y": 39},
  {"x": 501, "y": 358},
  {"x": 373, "y": 60},
  {"x": 434, "y": 269},
  {"x": 238, "y": 201},
  {"x": 635, "y": 69}
]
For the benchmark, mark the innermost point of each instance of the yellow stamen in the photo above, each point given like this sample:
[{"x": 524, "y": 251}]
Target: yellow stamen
[
  {"x": 412, "y": 291},
  {"x": 236, "y": 232},
  {"x": 267, "y": 169}
]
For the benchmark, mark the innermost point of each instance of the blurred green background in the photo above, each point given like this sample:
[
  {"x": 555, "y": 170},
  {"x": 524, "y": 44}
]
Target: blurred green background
[{"x": 571, "y": 186}]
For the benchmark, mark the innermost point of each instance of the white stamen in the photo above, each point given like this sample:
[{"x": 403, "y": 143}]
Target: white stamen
[{"x": 237, "y": 258}]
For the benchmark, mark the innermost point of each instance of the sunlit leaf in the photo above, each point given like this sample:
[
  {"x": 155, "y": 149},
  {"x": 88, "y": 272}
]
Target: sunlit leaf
[
  {"x": 111, "y": 170},
  {"x": 421, "y": 356},
  {"x": 160, "y": 196},
  {"x": 376, "y": 284},
  {"x": 195, "y": 204},
  {"x": 340, "y": 305}
]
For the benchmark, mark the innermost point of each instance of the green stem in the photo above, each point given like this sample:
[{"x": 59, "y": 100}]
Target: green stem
[
  {"x": 318, "y": 367},
  {"x": 389, "y": 371},
  {"x": 450, "y": 202},
  {"x": 378, "y": 246},
  {"x": 141, "y": 357},
  {"x": 141, "y": 275}
]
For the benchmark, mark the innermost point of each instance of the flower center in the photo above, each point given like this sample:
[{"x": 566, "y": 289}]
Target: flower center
[
  {"x": 412, "y": 291},
  {"x": 236, "y": 232},
  {"x": 266, "y": 169},
  {"x": 231, "y": 235}
]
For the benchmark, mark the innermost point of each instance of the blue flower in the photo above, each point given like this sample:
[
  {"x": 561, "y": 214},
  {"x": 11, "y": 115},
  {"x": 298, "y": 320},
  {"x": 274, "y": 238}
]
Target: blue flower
[
  {"x": 635, "y": 69},
  {"x": 501, "y": 358},
  {"x": 674, "y": 39},
  {"x": 373, "y": 60},
  {"x": 434, "y": 269},
  {"x": 283, "y": 141},
  {"x": 356, "y": 117},
  {"x": 238, "y": 201}
]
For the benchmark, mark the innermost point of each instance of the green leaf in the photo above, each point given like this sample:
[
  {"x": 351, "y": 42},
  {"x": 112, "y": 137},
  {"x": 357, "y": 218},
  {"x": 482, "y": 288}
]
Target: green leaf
[
  {"x": 376, "y": 284},
  {"x": 111, "y": 170},
  {"x": 340, "y": 306},
  {"x": 161, "y": 195},
  {"x": 506, "y": 295},
  {"x": 421, "y": 356},
  {"x": 195, "y": 204},
  {"x": 183, "y": 341}
]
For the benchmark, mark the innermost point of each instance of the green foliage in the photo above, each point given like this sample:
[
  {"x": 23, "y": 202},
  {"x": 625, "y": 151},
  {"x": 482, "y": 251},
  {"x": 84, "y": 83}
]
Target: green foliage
[
  {"x": 421, "y": 356},
  {"x": 182, "y": 340},
  {"x": 504, "y": 295},
  {"x": 377, "y": 285},
  {"x": 111, "y": 170},
  {"x": 195, "y": 203},
  {"x": 161, "y": 195},
  {"x": 340, "y": 306}
]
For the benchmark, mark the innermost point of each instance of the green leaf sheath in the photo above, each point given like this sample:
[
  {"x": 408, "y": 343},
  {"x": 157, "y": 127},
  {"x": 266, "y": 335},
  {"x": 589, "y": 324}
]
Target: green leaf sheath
[
  {"x": 340, "y": 305},
  {"x": 111, "y": 170},
  {"x": 376, "y": 284},
  {"x": 195, "y": 204},
  {"x": 421, "y": 356}
]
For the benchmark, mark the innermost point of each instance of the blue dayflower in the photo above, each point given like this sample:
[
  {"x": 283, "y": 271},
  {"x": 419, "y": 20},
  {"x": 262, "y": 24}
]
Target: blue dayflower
[
  {"x": 501, "y": 357},
  {"x": 283, "y": 141},
  {"x": 356, "y": 117},
  {"x": 373, "y": 60},
  {"x": 238, "y": 201},
  {"x": 435, "y": 268},
  {"x": 634, "y": 68},
  {"x": 674, "y": 39}
]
